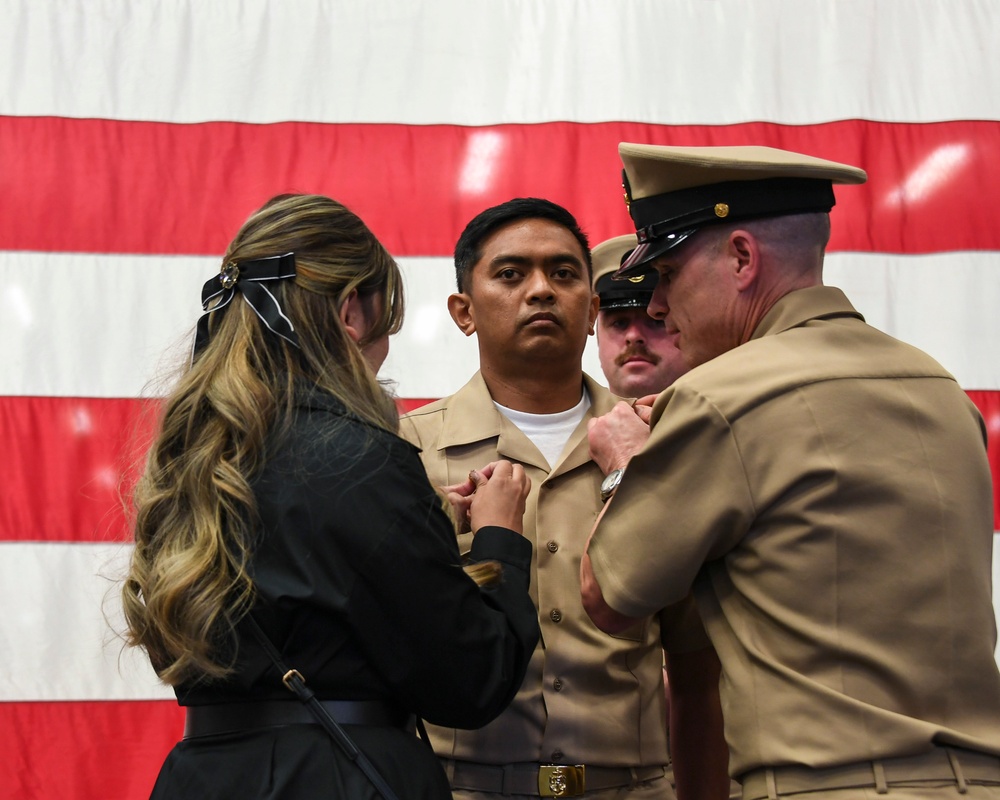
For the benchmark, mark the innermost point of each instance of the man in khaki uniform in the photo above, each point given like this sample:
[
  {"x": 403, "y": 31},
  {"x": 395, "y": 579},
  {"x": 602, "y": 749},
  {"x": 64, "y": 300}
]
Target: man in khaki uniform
[
  {"x": 822, "y": 486},
  {"x": 589, "y": 718}
]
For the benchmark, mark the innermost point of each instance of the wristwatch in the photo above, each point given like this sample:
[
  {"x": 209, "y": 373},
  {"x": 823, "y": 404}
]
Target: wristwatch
[{"x": 610, "y": 483}]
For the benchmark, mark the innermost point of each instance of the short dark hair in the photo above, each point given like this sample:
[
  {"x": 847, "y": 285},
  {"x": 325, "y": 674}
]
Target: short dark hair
[{"x": 468, "y": 249}]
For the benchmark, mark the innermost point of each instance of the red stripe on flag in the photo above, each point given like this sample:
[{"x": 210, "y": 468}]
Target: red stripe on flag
[
  {"x": 85, "y": 750},
  {"x": 65, "y": 464},
  {"x": 406, "y": 405},
  {"x": 69, "y": 463},
  {"x": 67, "y": 460},
  {"x": 86, "y": 185}
]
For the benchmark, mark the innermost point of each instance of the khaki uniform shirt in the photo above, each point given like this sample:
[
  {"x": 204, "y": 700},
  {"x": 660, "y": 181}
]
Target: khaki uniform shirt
[
  {"x": 588, "y": 698},
  {"x": 833, "y": 482}
]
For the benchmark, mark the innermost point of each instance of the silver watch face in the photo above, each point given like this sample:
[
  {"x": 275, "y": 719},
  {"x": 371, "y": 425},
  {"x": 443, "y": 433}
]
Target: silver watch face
[{"x": 611, "y": 481}]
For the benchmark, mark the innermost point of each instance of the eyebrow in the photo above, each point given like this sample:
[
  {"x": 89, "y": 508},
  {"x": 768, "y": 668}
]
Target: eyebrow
[{"x": 523, "y": 261}]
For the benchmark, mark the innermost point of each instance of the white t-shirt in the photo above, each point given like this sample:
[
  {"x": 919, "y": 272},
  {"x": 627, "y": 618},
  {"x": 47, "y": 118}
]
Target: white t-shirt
[{"x": 548, "y": 432}]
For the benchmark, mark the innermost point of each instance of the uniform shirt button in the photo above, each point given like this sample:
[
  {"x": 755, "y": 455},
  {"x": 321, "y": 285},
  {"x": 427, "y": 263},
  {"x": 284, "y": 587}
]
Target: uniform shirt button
[
  {"x": 555, "y": 615},
  {"x": 557, "y": 755},
  {"x": 557, "y": 684},
  {"x": 553, "y": 546}
]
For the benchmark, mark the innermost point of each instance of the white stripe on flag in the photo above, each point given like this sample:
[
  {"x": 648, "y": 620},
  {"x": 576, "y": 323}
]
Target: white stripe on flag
[
  {"x": 56, "y": 642},
  {"x": 680, "y": 62},
  {"x": 99, "y": 326},
  {"x": 66, "y": 650}
]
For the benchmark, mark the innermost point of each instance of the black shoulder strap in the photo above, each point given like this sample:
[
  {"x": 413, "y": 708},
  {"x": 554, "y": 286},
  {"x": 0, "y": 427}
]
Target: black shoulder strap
[{"x": 294, "y": 681}]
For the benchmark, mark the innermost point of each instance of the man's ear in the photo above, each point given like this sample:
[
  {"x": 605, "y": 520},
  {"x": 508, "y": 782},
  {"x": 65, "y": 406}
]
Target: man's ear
[
  {"x": 352, "y": 315},
  {"x": 744, "y": 253},
  {"x": 461, "y": 310},
  {"x": 595, "y": 307}
]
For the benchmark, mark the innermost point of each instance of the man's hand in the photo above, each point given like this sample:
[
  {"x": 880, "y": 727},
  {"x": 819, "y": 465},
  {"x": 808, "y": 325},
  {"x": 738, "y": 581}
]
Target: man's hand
[
  {"x": 644, "y": 407},
  {"x": 619, "y": 434}
]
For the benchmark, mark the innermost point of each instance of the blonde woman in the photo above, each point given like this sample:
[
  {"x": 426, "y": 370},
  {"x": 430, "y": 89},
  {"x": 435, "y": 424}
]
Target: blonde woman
[{"x": 277, "y": 494}]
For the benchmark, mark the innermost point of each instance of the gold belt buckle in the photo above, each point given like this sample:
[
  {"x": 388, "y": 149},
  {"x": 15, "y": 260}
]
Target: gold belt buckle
[{"x": 559, "y": 780}]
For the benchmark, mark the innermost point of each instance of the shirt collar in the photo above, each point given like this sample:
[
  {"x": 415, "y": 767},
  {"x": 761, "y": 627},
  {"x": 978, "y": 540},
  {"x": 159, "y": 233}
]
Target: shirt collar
[
  {"x": 799, "y": 307},
  {"x": 472, "y": 416}
]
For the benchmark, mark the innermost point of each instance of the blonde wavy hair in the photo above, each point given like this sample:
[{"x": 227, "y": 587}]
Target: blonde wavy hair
[{"x": 188, "y": 583}]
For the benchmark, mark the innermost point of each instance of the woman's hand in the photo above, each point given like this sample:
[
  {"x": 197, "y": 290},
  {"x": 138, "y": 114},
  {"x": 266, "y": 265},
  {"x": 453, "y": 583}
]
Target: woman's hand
[
  {"x": 498, "y": 496},
  {"x": 460, "y": 497}
]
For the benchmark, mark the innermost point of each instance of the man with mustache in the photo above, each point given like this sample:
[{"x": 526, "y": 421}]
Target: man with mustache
[
  {"x": 638, "y": 356},
  {"x": 589, "y": 718}
]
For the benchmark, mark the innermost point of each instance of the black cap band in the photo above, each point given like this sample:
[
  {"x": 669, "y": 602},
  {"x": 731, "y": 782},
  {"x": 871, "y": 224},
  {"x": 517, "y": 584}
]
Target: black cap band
[
  {"x": 687, "y": 209},
  {"x": 633, "y": 292}
]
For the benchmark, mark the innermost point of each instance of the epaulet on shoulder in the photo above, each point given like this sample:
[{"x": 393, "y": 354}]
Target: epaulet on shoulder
[{"x": 421, "y": 425}]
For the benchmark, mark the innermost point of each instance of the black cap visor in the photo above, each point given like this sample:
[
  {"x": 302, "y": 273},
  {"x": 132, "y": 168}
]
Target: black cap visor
[{"x": 638, "y": 260}]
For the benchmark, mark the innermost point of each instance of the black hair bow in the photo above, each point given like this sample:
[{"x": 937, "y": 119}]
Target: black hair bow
[{"x": 250, "y": 278}]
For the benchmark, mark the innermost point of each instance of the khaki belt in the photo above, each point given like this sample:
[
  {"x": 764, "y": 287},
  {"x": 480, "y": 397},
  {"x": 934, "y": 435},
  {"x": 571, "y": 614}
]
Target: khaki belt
[
  {"x": 950, "y": 764},
  {"x": 544, "y": 780},
  {"x": 212, "y": 720}
]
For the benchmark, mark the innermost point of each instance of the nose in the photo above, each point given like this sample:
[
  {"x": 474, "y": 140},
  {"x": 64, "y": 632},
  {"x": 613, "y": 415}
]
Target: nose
[
  {"x": 539, "y": 287},
  {"x": 635, "y": 332},
  {"x": 658, "y": 307}
]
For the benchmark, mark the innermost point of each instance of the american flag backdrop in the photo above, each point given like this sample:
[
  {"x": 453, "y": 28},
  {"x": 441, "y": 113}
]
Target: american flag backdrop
[{"x": 137, "y": 135}]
